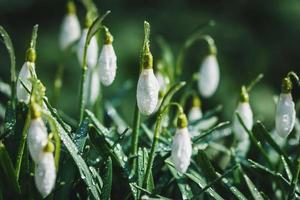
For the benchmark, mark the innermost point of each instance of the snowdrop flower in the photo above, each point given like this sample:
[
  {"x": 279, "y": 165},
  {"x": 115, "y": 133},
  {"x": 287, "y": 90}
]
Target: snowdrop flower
[
  {"x": 209, "y": 76},
  {"x": 92, "y": 50},
  {"x": 45, "y": 174},
  {"x": 37, "y": 136},
  {"x": 107, "y": 61},
  {"x": 70, "y": 28},
  {"x": 195, "y": 112},
  {"x": 147, "y": 92},
  {"x": 182, "y": 145},
  {"x": 245, "y": 112},
  {"x": 93, "y": 86},
  {"x": 25, "y": 74},
  {"x": 285, "y": 112}
]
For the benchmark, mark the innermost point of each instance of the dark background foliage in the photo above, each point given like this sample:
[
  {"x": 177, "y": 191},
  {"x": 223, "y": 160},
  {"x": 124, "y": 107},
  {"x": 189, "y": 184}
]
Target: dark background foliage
[{"x": 252, "y": 37}]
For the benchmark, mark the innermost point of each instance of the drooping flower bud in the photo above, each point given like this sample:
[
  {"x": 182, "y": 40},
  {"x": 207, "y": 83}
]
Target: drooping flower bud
[
  {"x": 285, "y": 112},
  {"x": 92, "y": 50},
  {"x": 148, "y": 86},
  {"x": 107, "y": 61},
  {"x": 70, "y": 28},
  {"x": 93, "y": 86},
  {"x": 45, "y": 174},
  {"x": 25, "y": 74},
  {"x": 209, "y": 76},
  {"x": 195, "y": 112},
  {"x": 245, "y": 112},
  {"x": 182, "y": 145},
  {"x": 37, "y": 138}
]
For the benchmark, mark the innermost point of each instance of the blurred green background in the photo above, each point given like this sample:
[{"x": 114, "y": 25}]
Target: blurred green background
[{"x": 252, "y": 37}]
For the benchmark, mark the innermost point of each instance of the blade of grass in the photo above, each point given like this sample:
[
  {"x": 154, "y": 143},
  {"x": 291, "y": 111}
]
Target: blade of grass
[
  {"x": 13, "y": 78},
  {"x": 9, "y": 171},
  {"x": 185, "y": 189},
  {"x": 107, "y": 180},
  {"x": 256, "y": 143},
  {"x": 206, "y": 133},
  {"x": 254, "y": 191},
  {"x": 261, "y": 129},
  {"x": 292, "y": 193}
]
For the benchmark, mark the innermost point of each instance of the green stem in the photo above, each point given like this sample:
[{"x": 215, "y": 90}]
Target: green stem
[
  {"x": 292, "y": 74},
  {"x": 82, "y": 85},
  {"x": 292, "y": 194},
  {"x": 156, "y": 139},
  {"x": 135, "y": 136},
  {"x": 22, "y": 145},
  {"x": 254, "y": 82},
  {"x": 189, "y": 42}
]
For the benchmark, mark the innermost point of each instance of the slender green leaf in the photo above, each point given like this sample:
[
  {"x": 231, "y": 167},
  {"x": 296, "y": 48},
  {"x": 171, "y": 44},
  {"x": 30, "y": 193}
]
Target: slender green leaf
[
  {"x": 185, "y": 189},
  {"x": 84, "y": 171},
  {"x": 107, "y": 180},
  {"x": 13, "y": 78},
  {"x": 11, "y": 182},
  {"x": 201, "y": 182},
  {"x": 9, "y": 120},
  {"x": 254, "y": 191},
  {"x": 286, "y": 168},
  {"x": 259, "y": 128},
  {"x": 34, "y": 36},
  {"x": 206, "y": 133},
  {"x": 5, "y": 88}
]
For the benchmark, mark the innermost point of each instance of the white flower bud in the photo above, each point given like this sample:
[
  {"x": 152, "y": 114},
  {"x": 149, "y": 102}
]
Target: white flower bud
[
  {"x": 24, "y": 76},
  {"x": 70, "y": 31},
  {"x": 93, "y": 86},
  {"x": 209, "y": 76},
  {"x": 181, "y": 149},
  {"x": 92, "y": 50},
  {"x": 163, "y": 81},
  {"x": 107, "y": 64},
  {"x": 37, "y": 138},
  {"x": 285, "y": 115},
  {"x": 147, "y": 92},
  {"x": 195, "y": 114},
  {"x": 245, "y": 112},
  {"x": 45, "y": 174}
]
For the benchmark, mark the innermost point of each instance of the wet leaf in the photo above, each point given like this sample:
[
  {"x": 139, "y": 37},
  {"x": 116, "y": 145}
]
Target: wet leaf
[{"x": 107, "y": 180}]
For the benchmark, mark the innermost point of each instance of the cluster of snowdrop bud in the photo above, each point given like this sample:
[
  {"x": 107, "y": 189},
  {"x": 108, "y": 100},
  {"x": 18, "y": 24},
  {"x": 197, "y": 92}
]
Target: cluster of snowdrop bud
[
  {"x": 27, "y": 71},
  {"x": 182, "y": 145},
  {"x": 245, "y": 112},
  {"x": 107, "y": 62},
  {"x": 209, "y": 74},
  {"x": 195, "y": 112},
  {"x": 285, "y": 112},
  {"x": 148, "y": 86},
  {"x": 70, "y": 28},
  {"x": 41, "y": 151},
  {"x": 92, "y": 49}
]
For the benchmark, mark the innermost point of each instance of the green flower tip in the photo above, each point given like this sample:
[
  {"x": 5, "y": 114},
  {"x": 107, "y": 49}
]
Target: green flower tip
[
  {"x": 35, "y": 111},
  {"x": 49, "y": 148},
  {"x": 108, "y": 38},
  {"x": 71, "y": 8},
  {"x": 286, "y": 86},
  {"x": 182, "y": 121},
  {"x": 244, "y": 96},
  {"x": 147, "y": 59},
  {"x": 30, "y": 55},
  {"x": 196, "y": 102}
]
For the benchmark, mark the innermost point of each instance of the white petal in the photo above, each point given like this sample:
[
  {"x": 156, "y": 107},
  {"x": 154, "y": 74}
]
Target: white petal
[
  {"x": 147, "y": 92},
  {"x": 45, "y": 174},
  {"x": 245, "y": 112},
  {"x": 24, "y": 75},
  {"x": 37, "y": 138},
  {"x": 243, "y": 147},
  {"x": 285, "y": 115},
  {"x": 70, "y": 31},
  {"x": 92, "y": 51},
  {"x": 93, "y": 85},
  {"x": 194, "y": 114},
  {"x": 181, "y": 150},
  {"x": 107, "y": 64},
  {"x": 163, "y": 81},
  {"x": 209, "y": 76}
]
